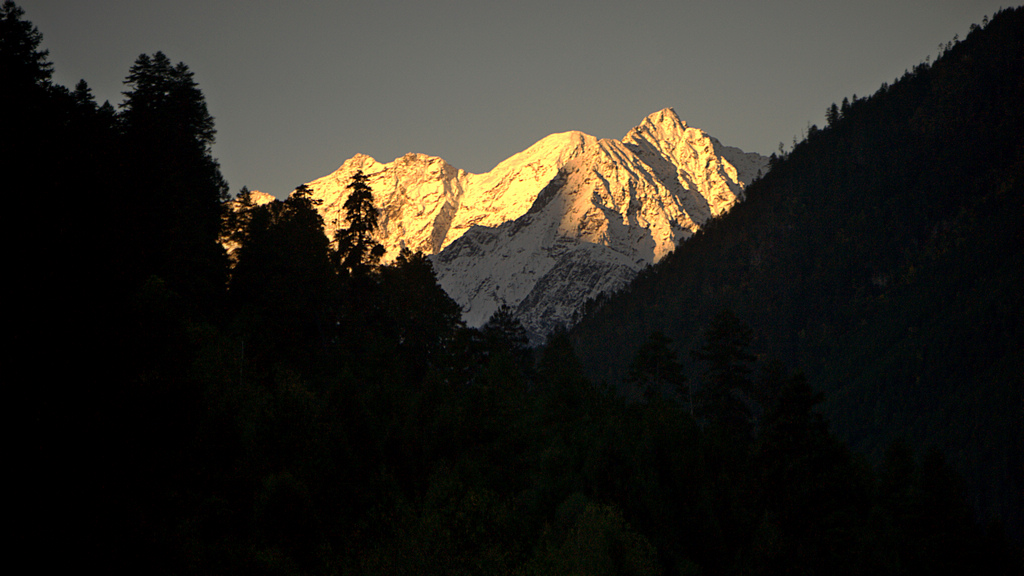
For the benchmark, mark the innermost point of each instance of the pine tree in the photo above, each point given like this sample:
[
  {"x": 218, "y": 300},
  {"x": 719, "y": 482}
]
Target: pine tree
[
  {"x": 727, "y": 377},
  {"x": 173, "y": 192},
  {"x": 358, "y": 250},
  {"x": 832, "y": 115},
  {"x": 504, "y": 330},
  {"x": 655, "y": 369},
  {"x": 26, "y": 98},
  {"x": 506, "y": 342},
  {"x": 166, "y": 97},
  {"x": 420, "y": 319},
  {"x": 282, "y": 282},
  {"x": 22, "y": 63}
]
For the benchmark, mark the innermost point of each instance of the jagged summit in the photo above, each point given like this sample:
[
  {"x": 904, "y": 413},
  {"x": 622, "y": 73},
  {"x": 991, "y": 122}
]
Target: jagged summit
[
  {"x": 664, "y": 124},
  {"x": 427, "y": 203},
  {"x": 560, "y": 222}
]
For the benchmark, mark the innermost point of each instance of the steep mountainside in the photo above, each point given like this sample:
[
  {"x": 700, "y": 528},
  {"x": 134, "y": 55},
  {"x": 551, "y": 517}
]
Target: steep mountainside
[
  {"x": 568, "y": 218},
  {"x": 884, "y": 257}
]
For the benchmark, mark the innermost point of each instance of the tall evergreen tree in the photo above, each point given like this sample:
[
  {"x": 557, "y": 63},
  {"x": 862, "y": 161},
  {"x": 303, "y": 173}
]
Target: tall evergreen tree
[
  {"x": 655, "y": 369},
  {"x": 173, "y": 193},
  {"x": 22, "y": 63},
  {"x": 31, "y": 116},
  {"x": 281, "y": 284},
  {"x": 358, "y": 249},
  {"x": 503, "y": 331},
  {"x": 728, "y": 365},
  {"x": 420, "y": 318}
]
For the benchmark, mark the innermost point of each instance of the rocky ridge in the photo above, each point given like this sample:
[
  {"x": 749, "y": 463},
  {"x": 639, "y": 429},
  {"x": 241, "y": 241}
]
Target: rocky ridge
[{"x": 566, "y": 219}]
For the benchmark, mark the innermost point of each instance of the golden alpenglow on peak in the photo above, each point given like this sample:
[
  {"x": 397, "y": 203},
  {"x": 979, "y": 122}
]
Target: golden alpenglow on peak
[{"x": 562, "y": 221}]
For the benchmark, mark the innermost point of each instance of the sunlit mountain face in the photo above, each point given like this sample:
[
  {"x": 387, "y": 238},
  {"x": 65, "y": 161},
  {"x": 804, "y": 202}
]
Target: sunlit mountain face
[{"x": 564, "y": 220}]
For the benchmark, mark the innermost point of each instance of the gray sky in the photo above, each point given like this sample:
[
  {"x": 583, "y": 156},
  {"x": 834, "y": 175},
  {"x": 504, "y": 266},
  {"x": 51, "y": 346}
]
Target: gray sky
[{"x": 298, "y": 87}]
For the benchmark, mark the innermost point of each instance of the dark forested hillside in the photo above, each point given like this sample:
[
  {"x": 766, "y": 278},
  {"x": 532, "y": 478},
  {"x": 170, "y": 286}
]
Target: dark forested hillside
[{"x": 884, "y": 257}]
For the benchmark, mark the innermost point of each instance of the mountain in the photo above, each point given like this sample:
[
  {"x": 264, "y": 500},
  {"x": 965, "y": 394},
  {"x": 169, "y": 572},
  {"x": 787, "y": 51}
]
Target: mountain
[
  {"x": 884, "y": 257},
  {"x": 557, "y": 224}
]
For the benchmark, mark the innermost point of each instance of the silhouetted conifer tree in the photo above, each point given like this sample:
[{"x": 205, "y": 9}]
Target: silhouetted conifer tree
[
  {"x": 173, "y": 192},
  {"x": 358, "y": 250},
  {"x": 282, "y": 282},
  {"x": 655, "y": 369},
  {"x": 504, "y": 331},
  {"x": 832, "y": 115},
  {"x": 728, "y": 361},
  {"x": 421, "y": 317},
  {"x": 22, "y": 63}
]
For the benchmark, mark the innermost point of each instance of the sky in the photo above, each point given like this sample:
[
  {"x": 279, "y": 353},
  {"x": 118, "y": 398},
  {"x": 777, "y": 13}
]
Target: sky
[{"x": 298, "y": 87}]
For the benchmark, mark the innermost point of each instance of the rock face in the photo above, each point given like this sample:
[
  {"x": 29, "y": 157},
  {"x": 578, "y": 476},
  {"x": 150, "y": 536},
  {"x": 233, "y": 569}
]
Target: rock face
[{"x": 564, "y": 220}]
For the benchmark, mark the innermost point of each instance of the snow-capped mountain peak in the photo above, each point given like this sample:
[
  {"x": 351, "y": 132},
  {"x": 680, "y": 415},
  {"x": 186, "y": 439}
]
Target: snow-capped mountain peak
[{"x": 558, "y": 223}]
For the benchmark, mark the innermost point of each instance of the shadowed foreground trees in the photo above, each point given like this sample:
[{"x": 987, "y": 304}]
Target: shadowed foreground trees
[
  {"x": 283, "y": 278},
  {"x": 119, "y": 277}
]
